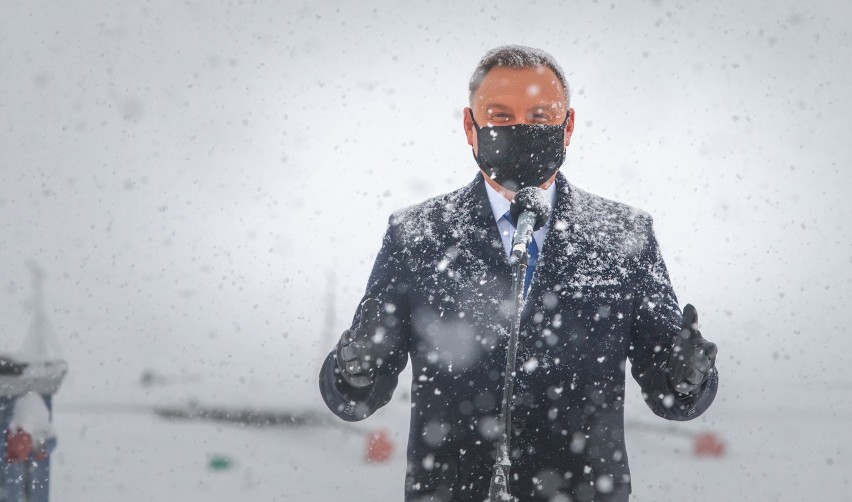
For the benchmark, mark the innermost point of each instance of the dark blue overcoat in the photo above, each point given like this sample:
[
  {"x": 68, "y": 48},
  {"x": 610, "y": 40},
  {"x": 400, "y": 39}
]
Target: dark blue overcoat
[{"x": 601, "y": 294}]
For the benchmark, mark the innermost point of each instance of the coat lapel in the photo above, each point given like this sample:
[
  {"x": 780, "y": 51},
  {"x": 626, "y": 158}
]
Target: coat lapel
[
  {"x": 483, "y": 238},
  {"x": 558, "y": 260}
]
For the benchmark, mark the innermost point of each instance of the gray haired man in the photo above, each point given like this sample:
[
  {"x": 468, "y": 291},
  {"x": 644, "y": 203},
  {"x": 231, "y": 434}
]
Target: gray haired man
[{"x": 596, "y": 293}]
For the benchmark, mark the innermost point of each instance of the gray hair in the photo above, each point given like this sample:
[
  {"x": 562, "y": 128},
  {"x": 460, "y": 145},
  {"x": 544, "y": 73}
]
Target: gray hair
[{"x": 517, "y": 56}]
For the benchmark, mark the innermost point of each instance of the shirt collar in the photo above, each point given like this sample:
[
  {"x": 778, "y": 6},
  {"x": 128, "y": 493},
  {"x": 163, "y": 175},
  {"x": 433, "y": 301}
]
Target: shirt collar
[{"x": 500, "y": 204}]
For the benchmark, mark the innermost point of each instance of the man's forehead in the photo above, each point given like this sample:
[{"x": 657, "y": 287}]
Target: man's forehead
[{"x": 537, "y": 84}]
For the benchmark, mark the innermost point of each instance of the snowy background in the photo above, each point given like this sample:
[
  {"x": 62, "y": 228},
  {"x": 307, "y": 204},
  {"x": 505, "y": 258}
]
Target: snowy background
[{"x": 206, "y": 184}]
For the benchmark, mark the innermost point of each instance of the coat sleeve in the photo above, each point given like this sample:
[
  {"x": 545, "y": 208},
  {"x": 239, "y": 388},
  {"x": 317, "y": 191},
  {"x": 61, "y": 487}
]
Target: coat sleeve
[
  {"x": 657, "y": 319},
  {"x": 388, "y": 283}
]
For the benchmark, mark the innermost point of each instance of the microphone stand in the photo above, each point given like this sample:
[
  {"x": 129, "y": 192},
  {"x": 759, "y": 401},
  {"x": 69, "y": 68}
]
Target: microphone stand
[{"x": 498, "y": 491}]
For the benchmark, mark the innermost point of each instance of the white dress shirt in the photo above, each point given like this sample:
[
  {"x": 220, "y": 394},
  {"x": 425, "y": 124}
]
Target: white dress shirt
[{"x": 499, "y": 206}]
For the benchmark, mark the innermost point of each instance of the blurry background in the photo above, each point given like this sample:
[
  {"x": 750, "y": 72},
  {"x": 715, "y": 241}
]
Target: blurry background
[{"x": 206, "y": 184}]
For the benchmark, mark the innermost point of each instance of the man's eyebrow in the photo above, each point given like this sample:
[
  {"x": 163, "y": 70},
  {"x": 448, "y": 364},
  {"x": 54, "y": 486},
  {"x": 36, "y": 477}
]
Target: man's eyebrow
[
  {"x": 546, "y": 104},
  {"x": 496, "y": 105},
  {"x": 537, "y": 106}
]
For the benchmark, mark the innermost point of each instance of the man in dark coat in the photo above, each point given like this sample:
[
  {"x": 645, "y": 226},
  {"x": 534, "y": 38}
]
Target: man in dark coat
[{"x": 440, "y": 294}]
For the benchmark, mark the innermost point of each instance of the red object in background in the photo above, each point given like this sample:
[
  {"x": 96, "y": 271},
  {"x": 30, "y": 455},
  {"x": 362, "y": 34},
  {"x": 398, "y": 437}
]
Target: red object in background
[
  {"x": 19, "y": 444},
  {"x": 379, "y": 446},
  {"x": 708, "y": 444}
]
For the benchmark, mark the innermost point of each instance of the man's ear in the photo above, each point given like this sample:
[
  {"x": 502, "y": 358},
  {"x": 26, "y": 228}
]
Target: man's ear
[
  {"x": 468, "y": 127},
  {"x": 569, "y": 127}
]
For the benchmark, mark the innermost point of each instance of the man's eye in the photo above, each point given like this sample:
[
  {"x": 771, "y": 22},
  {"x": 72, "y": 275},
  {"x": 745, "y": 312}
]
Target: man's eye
[{"x": 501, "y": 117}]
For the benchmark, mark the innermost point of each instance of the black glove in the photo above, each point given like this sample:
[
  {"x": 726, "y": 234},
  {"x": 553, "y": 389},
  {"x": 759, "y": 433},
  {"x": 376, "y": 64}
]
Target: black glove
[
  {"x": 693, "y": 357},
  {"x": 357, "y": 351}
]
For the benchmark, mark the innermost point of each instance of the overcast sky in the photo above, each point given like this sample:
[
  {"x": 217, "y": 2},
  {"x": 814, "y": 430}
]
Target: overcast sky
[{"x": 188, "y": 174}]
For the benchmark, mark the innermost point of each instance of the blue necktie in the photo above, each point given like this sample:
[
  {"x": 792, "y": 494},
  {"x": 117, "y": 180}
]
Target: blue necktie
[{"x": 533, "y": 252}]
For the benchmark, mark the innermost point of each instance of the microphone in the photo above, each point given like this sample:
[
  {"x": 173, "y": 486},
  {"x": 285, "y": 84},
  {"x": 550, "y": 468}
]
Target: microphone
[{"x": 529, "y": 211}]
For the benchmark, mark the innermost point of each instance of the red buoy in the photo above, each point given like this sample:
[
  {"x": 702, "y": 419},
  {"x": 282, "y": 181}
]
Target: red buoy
[
  {"x": 379, "y": 446},
  {"x": 708, "y": 444},
  {"x": 19, "y": 444}
]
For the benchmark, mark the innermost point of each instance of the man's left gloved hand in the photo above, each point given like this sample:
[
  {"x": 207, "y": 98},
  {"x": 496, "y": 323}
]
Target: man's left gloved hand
[{"x": 693, "y": 357}]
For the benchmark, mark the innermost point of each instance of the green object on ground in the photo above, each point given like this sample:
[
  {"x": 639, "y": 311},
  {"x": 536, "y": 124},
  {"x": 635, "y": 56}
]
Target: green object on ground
[{"x": 220, "y": 462}]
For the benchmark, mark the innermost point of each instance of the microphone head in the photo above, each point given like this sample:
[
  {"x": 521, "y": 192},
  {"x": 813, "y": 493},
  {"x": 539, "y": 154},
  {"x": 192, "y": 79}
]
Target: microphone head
[{"x": 534, "y": 200}]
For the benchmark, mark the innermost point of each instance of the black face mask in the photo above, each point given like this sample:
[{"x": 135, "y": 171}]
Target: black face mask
[{"x": 520, "y": 155}]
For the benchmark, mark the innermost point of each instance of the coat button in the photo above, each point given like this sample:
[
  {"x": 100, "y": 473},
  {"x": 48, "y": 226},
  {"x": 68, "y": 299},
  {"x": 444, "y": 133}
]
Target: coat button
[{"x": 518, "y": 425}]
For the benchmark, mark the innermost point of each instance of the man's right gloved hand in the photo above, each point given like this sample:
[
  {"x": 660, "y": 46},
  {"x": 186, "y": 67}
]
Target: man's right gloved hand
[{"x": 357, "y": 351}]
